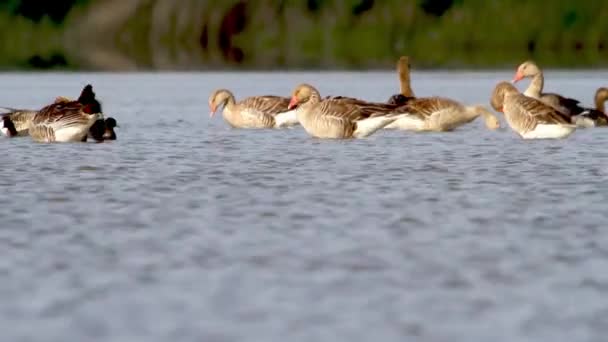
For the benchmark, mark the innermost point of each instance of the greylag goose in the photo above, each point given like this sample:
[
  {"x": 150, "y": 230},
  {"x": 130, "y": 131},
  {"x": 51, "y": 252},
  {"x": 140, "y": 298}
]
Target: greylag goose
[
  {"x": 529, "y": 69},
  {"x": 66, "y": 121},
  {"x": 403, "y": 70},
  {"x": 253, "y": 112},
  {"x": 593, "y": 117},
  {"x": 530, "y": 117},
  {"x": 101, "y": 129},
  {"x": 599, "y": 114},
  {"x": 19, "y": 118},
  {"x": 333, "y": 119},
  {"x": 581, "y": 116},
  {"x": 601, "y": 96},
  {"x": 440, "y": 115}
]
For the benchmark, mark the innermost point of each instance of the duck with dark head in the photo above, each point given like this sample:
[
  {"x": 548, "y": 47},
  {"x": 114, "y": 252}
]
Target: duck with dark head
[
  {"x": 102, "y": 130},
  {"x": 8, "y": 127}
]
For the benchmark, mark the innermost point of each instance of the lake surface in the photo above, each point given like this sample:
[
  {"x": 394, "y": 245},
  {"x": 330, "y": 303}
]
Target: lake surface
[{"x": 184, "y": 229}]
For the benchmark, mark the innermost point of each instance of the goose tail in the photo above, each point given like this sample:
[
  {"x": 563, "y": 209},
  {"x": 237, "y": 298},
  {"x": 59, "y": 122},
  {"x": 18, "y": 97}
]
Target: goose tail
[
  {"x": 369, "y": 126},
  {"x": 286, "y": 119}
]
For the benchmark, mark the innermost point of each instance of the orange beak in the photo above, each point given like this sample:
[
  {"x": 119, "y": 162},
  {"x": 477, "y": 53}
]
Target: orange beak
[
  {"x": 212, "y": 108},
  {"x": 293, "y": 103},
  {"x": 518, "y": 77},
  {"x": 502, "y": 109}
]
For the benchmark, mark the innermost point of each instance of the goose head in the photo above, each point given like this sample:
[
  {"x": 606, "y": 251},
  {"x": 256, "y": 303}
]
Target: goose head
[
  {"x": 601, "y": 95},
  {"x": 219, "y": 98},
  {"x": 301, "y": 94},
  {"x": 501, "y": 90},
  {"x": 398, "y": 99},
  {"x": 526, "y": 69}
]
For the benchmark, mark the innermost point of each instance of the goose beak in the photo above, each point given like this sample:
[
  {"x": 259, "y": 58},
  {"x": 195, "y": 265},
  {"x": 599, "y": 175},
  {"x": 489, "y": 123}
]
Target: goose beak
[
  {"x": 518, "y": 77},
  {"x": 293, "y": 103},
  {"x": 212, "y": 113}
]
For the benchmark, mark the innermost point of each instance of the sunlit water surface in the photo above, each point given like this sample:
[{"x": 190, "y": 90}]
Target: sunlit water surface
[{"x": 185, "y": 229}]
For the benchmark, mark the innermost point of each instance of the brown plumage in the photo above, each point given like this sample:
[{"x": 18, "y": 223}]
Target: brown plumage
[
  {"x": 529, "y": 69},
  {"x": 403, "y": 70},
  {"x": 367, "y": 108},
  {"x": 334, "y": 118},
  {"x": 20, "y": 118},
  {"x": 65, "y": 121},
  {"x": 530, "y": 117},
  {"x": 601, "y": 96},
  {"x": 252, "y": 112},
  {"x": 405, "y": 87},
  {"x": 440, "y": 114},
  {"x": 403, "y": 73}
]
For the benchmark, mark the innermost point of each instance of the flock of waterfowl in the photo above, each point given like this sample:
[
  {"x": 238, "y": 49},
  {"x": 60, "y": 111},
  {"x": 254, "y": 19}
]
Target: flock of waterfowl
[
  {"x": 533, "y": 114},
  {"x": 64, "y": 120}
]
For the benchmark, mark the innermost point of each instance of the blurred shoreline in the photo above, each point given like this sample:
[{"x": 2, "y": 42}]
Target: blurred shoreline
[{"x": 193, "y": 35}]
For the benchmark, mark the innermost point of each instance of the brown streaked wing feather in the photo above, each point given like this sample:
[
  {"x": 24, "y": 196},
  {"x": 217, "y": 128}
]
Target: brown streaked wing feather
[
  {"x": 368, "y": 109},
  {"x": 425, "y": 107},
  {"x": 373, "y": 110},
  {"x": 21, "y": 118},
  {"x": 67, "y": 113},
  {"x": 341, "y": 110},
  {"x": 540, "y": 111},
  {"x": 268, "y": 104},
  {"x": 343, "y": 98},
  {"x": 42, "y": 133}
]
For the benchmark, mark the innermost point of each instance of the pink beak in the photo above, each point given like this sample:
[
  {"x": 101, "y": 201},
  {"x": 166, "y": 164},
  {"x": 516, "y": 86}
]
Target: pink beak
[
  {"x": 212, "y": 113},
  {"x": 518, "y": 77},
  {"x": 293, "y": 103}
]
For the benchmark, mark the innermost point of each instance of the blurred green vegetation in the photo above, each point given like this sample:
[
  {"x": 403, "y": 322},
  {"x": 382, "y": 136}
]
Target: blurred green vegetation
[{"x": 200, "y": 34}]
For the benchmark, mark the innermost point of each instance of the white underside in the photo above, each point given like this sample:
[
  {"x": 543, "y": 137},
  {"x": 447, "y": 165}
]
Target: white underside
[
  {"x": 407, "y": 123},
  {"x": 71, "y": 134},
  {"x": 286, "y": 119},
  {"x": 549, "y": 132},
  {"x": 5, "y": 131},
  {"x": 366, "y": 127},
  {"x": 77, "y": 132}
]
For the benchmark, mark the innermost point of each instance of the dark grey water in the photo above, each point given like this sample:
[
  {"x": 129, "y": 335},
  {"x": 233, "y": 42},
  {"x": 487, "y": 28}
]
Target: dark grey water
[{"x": 184, "y": 229}]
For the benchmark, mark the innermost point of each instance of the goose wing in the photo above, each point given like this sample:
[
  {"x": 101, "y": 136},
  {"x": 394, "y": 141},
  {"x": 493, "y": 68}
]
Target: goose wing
[
  {"x": 21, "y": 118},
  {"x": 368, "y": 109},
  {"x": 425, "y": 107},
  {"x": 269, "y": 104},
  {"x": 339, "y": 110},
  {"x": 538, "y": 111},
  {"x": 564, "y": 104},
  {"x": 61, "y": 114}
]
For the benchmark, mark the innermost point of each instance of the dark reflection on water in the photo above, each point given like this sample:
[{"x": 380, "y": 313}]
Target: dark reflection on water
[{"x": 186, "y": 229}]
